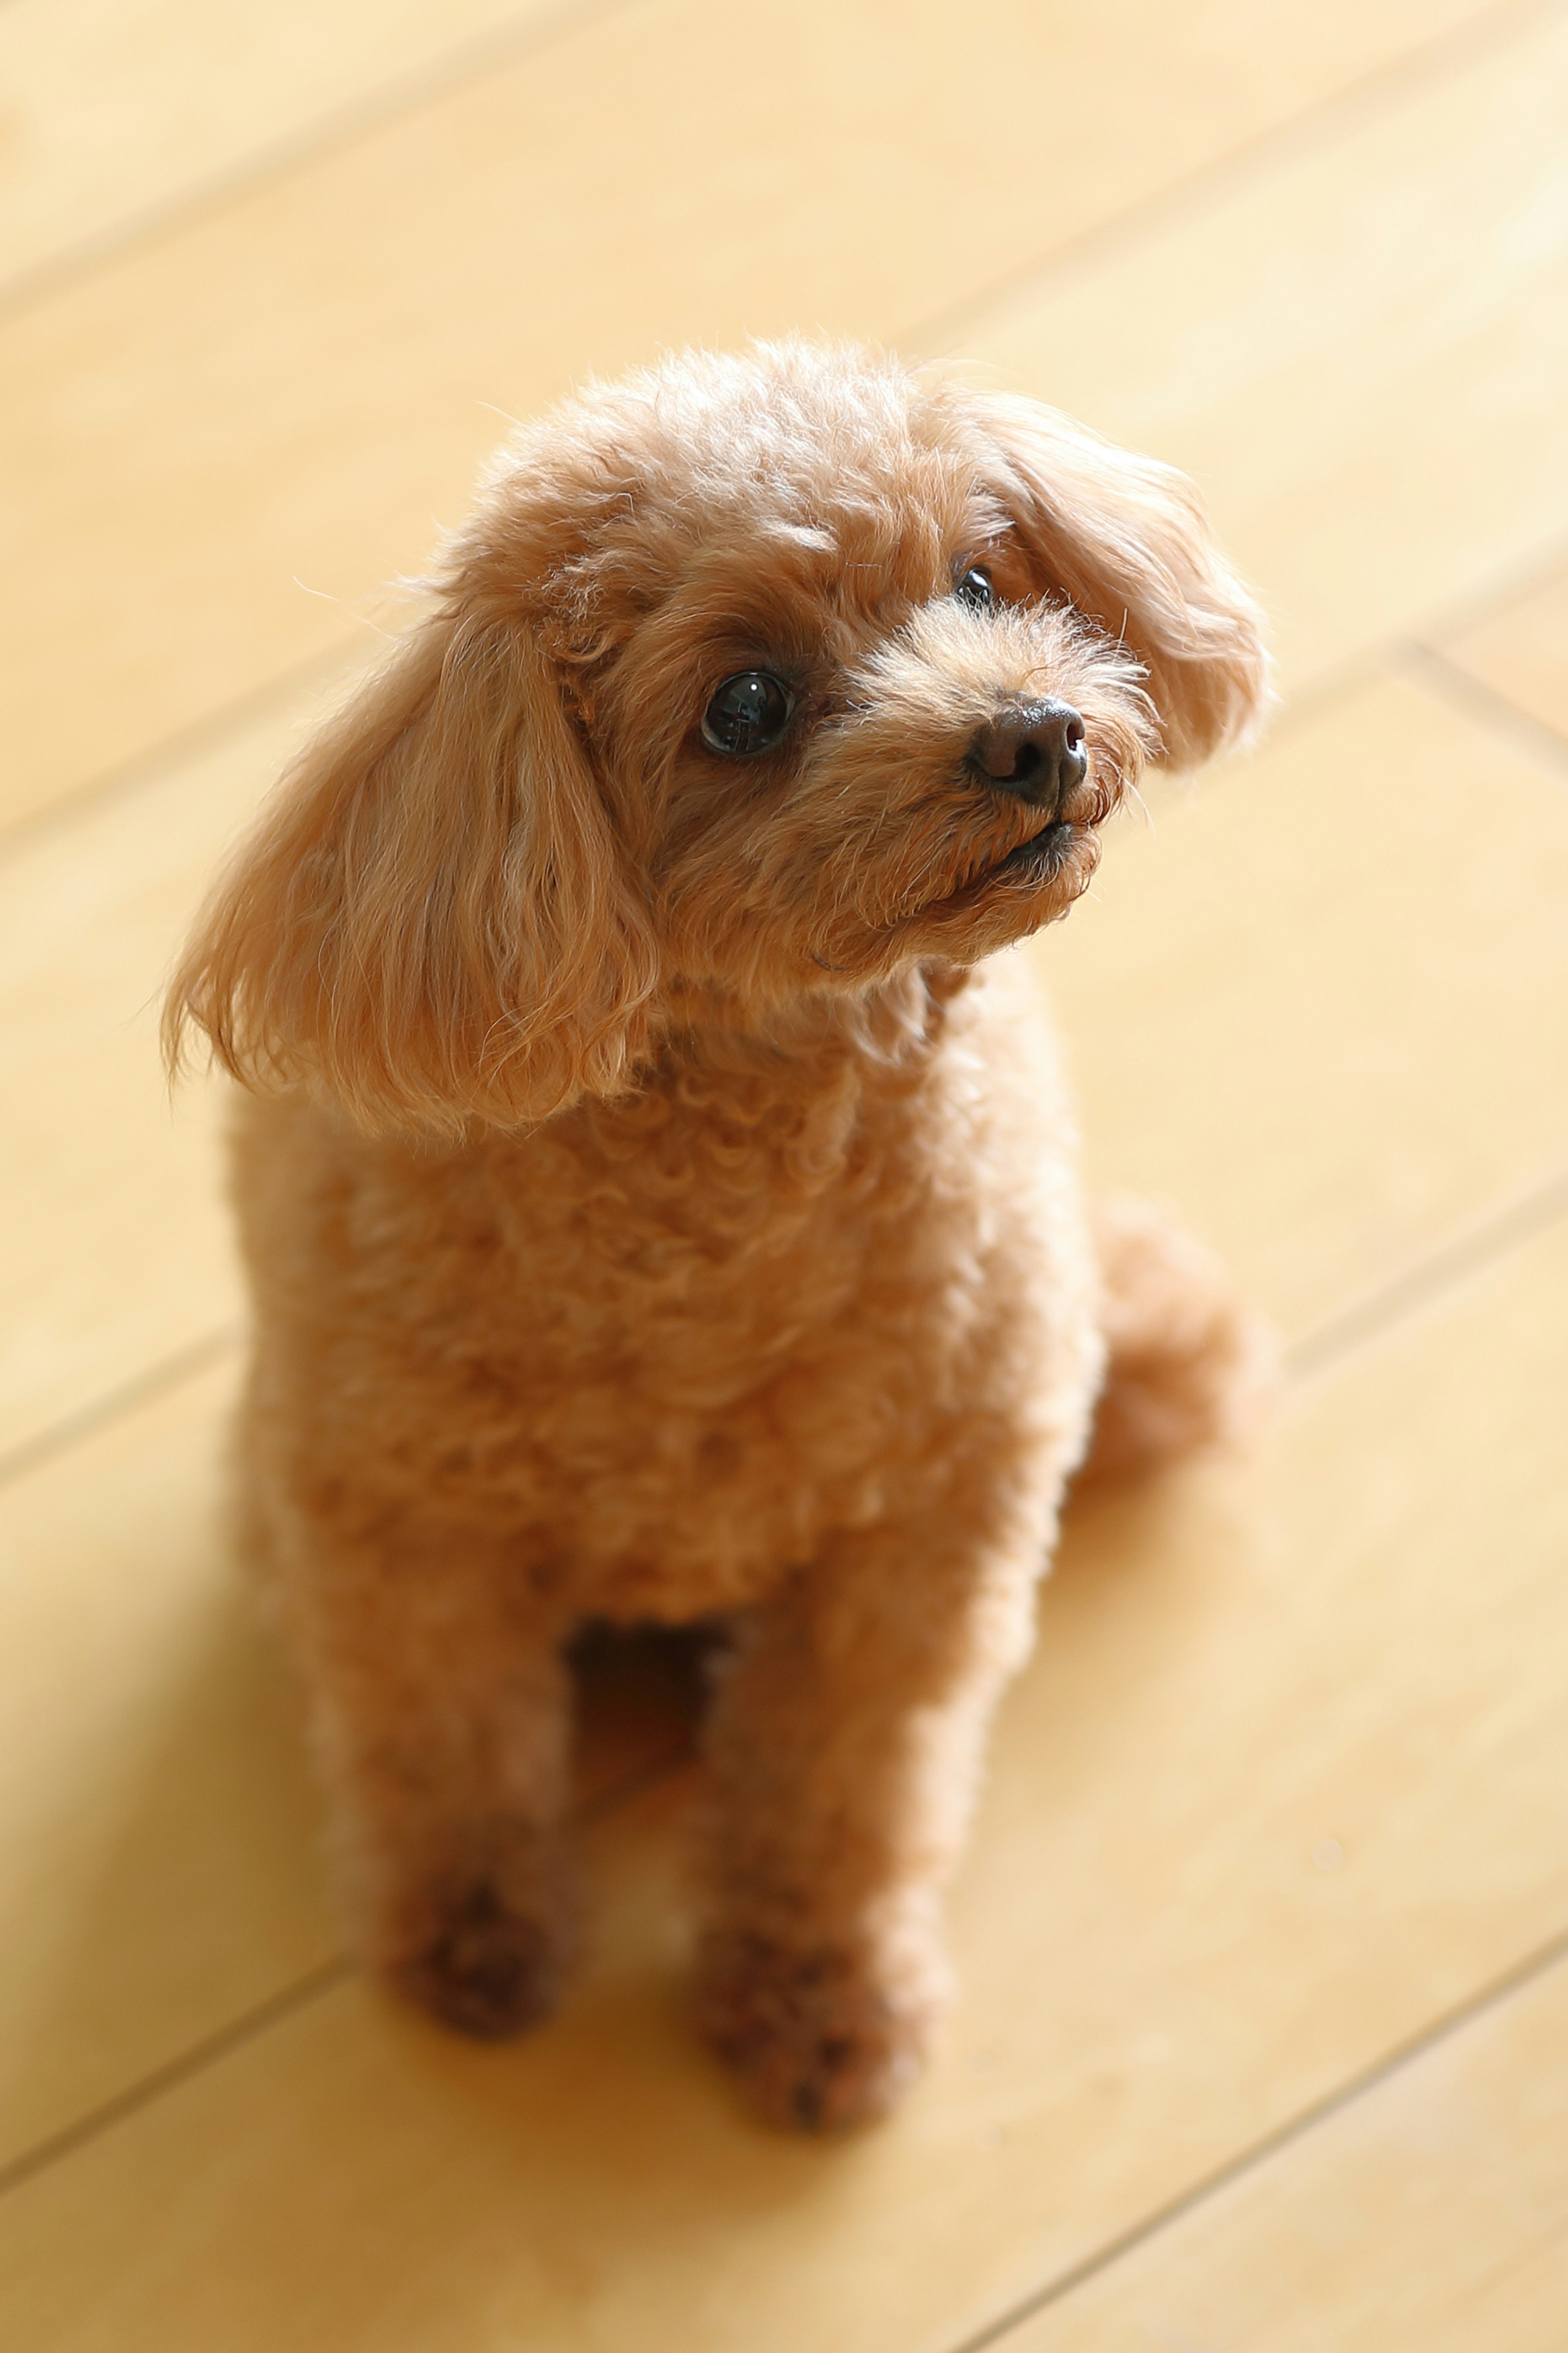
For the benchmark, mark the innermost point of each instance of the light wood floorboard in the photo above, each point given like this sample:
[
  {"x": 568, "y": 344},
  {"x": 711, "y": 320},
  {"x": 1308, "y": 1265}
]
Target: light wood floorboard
[
  {"x": 157, "y": 1834},
  {"x": 155, "y": 1847},
  {"x": 1283, "y": 1785},
  {"x": 115, "y": 1251},
  {"x": 1361, "y": 352},
  {"x": 1357, "y": 1115},
  {"x": 1333, "y": 1156},
  {"x": 124, "y": 111},
  {"x": 1314, "y": 1000},
  {"x": 1521, "y": 653},
  {"x": 222, "y": 440},
  {"x": 121, "y": 111},
  {"x": 1432, "y": 2212},
  {"x": 1283, "y": 1790}
]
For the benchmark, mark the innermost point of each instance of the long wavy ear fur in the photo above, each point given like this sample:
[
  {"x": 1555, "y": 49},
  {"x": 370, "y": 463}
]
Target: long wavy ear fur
[
  {"x": 1126, "y": 540},
  {"x": 432, "y": 923}
]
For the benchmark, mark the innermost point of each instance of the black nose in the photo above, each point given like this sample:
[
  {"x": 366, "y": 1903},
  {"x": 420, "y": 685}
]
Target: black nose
[{"x": 1035, "y": 750}]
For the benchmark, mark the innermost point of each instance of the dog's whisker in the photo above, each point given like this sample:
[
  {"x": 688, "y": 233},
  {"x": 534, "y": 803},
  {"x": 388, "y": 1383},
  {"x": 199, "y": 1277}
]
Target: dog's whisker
[
  {"x": 1133, "y": 794},
  {"x": 504, "y": 413},
  {"x": 327, "y": 597}
]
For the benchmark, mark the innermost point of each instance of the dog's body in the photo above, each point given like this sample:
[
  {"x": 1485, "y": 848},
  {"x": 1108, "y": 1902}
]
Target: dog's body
[
  {"x": 670, "y": 1345},
  {"x": 655, "y": 1214}
]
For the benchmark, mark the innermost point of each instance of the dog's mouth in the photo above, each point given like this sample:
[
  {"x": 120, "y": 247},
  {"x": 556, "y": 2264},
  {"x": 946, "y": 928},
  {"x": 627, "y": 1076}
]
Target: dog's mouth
[
  {"x": 1036, "y": 859},
  {"x": 1030, "y": 864}
]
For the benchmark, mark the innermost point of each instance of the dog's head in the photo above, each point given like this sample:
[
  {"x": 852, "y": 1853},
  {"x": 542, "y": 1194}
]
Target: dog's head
[{"x": 752, "y": 679}]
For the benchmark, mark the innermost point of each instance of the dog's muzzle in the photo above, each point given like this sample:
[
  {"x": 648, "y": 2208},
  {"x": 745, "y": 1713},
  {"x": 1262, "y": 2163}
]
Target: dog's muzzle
[{"x": 1034, "y": 750}]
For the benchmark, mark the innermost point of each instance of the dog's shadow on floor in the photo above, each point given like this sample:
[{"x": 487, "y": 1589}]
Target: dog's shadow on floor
[
  {"x": 191, "y": 2006},
  {"x": 187, "y": 2020},
  {"x": 180, "y": 1891},
  {"x": 641, "y": 1692}
]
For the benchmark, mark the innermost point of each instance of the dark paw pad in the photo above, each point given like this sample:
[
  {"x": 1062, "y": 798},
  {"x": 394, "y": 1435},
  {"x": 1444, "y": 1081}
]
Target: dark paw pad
[
  {"x": 819, "y": 2043},
  {"x": 487, "y": 1971}
]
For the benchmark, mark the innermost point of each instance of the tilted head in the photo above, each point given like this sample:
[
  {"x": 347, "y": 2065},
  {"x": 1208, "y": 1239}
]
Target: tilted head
[{"x": 750, "y": 678}]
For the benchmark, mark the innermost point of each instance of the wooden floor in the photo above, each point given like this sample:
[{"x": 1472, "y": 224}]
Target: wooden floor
[{"x": 1264, "y": 1937}]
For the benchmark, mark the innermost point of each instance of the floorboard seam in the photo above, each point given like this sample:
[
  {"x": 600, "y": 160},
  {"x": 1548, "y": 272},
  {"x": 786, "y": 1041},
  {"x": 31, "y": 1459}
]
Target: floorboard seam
[
  {"x": 143, "y": 769},
  {"x": 167, "y": 2078},
  {"x": 286, "y": 2003},
  {"x": 467, "y": 62},
  {"x": 1470, "y": 608},
  {"x": 1319, "y": 1352},
  {"x": 158, "y": 1379},
  {"x": 1479, "y": 701},
  {"x": 340, "y": 127},
  {"x": 1429, "y": 1281},
  {"x": 1402, "y": 651},
  {"x": 1340, "y": 678},
  {"x": 1546, "y": 1957},
  {"x": 1408, "y": 650},
  {"x": 1192, "y": 193}
]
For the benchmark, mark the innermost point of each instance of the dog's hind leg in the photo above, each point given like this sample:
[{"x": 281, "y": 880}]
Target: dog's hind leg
[{"x": 1189, "y": 1365}]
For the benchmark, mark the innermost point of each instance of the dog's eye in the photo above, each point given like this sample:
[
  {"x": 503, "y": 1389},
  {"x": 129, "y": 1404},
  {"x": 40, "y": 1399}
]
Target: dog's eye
[
  {"x": 975, "y": 589},
  {"x": 750, "y": 712}
]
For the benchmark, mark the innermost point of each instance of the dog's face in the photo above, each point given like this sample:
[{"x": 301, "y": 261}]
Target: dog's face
[
  {"x": 844, "y": 726},
  {"x": 763, "y": 678}
]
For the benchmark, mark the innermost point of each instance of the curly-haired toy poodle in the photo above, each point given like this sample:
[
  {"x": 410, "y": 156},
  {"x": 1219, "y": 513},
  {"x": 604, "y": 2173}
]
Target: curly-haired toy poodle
[{"x": 656, "y": 1189}]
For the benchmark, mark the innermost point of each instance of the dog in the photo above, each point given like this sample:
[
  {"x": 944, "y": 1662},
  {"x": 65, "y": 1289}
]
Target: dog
[{"x": 655, "y": 1186}]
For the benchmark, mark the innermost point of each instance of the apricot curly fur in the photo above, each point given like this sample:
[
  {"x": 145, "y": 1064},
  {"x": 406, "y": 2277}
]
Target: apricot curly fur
[
  {"x": 1189, "y": 1366},
  {"x": 656, "y": 1190}
]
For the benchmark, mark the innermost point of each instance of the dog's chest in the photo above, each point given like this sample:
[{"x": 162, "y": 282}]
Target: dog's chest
[
  {"x": 722, "y": 1315},
  {"x": 680, "y": 1339}
]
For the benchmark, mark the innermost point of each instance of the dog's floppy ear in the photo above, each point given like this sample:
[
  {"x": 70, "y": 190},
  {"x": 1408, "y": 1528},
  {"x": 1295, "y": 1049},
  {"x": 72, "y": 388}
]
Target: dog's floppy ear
[
  {"x": 433, "y": 922},
  {"x": 1126, "y": 540}
]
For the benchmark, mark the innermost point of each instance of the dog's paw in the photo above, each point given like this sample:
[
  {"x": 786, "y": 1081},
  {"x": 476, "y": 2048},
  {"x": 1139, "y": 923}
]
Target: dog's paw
[
  {"x": 484, "y": 1969},
  {"x": 819, "y": 2043}
]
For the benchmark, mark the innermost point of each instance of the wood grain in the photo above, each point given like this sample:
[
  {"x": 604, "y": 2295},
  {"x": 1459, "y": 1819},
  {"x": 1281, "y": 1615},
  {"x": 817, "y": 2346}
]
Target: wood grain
[
  {"x": 119, "y": 110},
  {"x": 159, "y": 1873},
  {"x": 1314, "y": 1001},
  {"x": 157, "y": 1870},
  {"x": 1361, "y": 352},
  {"x": 114, "y": 1250},
  {"x": 1432, "y": 2214},
  {"x": 1520, "y": 652},
  {"x": 300, "y": 388},
  {"x": 1364, "y": 1036},
  {"x": 1283, "y": 1784}
]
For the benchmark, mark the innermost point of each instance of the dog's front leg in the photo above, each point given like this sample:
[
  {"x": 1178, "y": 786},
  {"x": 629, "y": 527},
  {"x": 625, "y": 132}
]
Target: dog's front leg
[
  {"x": 440, "y": 1704},
  {"x": 844, "y": 1751}
]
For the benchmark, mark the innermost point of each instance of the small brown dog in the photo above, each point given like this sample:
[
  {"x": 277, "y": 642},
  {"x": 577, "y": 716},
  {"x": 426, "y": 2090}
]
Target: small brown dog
[{"x": 654, "y": 1206}]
